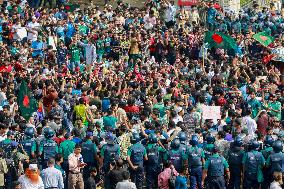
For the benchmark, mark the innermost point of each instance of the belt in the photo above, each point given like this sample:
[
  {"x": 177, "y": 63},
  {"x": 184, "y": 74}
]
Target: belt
[
  {"x": 75, "y": 173},
  {"x": 51, "y": 188}
]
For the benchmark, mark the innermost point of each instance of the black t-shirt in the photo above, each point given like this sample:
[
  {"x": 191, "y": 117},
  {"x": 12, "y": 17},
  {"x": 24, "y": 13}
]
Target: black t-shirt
[
  {"x": 91, "y": 183},
  {"x": 115, "y": 176}
]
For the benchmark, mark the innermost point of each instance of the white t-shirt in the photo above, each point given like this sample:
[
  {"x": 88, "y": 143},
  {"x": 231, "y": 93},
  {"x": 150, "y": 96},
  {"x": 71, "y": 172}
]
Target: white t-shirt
[{"x": 33, "y": 26}]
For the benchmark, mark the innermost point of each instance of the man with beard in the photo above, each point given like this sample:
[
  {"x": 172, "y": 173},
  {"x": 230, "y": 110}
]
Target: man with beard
[{"x": 31, "y": 178}]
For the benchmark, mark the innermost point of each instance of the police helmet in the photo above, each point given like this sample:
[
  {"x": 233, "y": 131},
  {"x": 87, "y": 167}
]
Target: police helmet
[
  {"x": 29, "y": 132},
  {"x": 194, "y": 140},
  {"x": 135, "y": 138},
  {"x": 215, "y": 149},
  {"x": 254, "y": 144},
  {"x": 210, "y": 138},
  {"x": 110, "y": 137},
  {"x": 268, "y": 141},
  {"x": 238, "y": 141},
  {"x": 278, "y": 146},
  {"x": 48, "y": 132},
  {"x": 152, "y": 138},
  {"x": 175, "y": 143},
  {"x": 182, "y": 136}
]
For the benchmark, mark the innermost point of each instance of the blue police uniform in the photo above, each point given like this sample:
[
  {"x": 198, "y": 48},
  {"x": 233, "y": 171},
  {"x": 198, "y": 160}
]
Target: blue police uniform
[
  {"x": 48, "y": 148},
  {"x": 253, "y": 162},
  {"x": 195, "y": 157},
  {"x": 215, "y": 166},
  {"x": 266, "y": 152},
  {"x": 235, "y": 156},
  {"x": 29, "y": 145},
  {"x": 136, "y": 152},
  {"x": 153, "y": 164},
  {"x": 110, "y": 153},
  {"x": 6, "y": 145},
  {"x": 275, "y": 163},
  {"x": 89, "y": 151},
  {"x": 176, "y": 157}
]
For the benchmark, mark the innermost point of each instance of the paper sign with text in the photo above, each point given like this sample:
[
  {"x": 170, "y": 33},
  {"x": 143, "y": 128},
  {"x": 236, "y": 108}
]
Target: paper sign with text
[{"x": 211, "y": 112}]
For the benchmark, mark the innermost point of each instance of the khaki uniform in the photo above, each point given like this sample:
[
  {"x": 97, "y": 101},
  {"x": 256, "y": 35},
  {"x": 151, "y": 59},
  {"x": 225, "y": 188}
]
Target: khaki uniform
[{"x": 3, "y": 170}]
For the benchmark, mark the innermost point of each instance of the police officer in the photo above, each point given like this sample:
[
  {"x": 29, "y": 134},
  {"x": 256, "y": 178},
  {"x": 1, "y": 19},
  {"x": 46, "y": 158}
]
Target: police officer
[
  {"x": 253, "y": 163},
  {"x": 153, "y": 164},
  {"x": 266, "y": 152},
  {"x": 175, "y": 155},
  {"x": 214, "y": 170},
  {"x": 13, "y": 158},
  {"x": 235, "y": 156},
  {"x": 275, "y": 161},
  {"x": 210, "y": 139},
  {"x": 110, "y": 152},
  {"x": 48, "y": 147},
  {"x": 29, "y": 143},
  {"x": 183, "y": 139},
  {"x": 268, "y": 141},
  {"x": 195, "y": 158},
  {"x": 135, "y": 157},
  {"x": 89, "y": 153},
  {"x": 6, "y": 143}
]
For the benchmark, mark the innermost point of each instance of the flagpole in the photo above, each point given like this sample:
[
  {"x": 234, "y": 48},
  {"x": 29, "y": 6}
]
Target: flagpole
[{"x": 203, "y": 57}]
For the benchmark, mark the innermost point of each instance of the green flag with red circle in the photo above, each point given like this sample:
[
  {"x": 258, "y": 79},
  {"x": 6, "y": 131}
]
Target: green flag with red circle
[
  {"x": 263, "y": 38},
  {"x": 220, "y": 40}
]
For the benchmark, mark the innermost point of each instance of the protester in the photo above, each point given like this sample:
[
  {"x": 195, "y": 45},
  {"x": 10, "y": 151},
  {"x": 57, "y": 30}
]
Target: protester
[{"x": 125, "y": 183}]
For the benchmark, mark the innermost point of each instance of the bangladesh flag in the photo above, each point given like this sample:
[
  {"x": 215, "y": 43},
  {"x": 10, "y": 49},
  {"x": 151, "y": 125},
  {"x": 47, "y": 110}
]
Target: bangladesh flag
[
  {"x": 263, "y": 38},
  {"x": 27, "y": 104},
  {"x": 220, "y": 40},
  {"x": 69, "y": 7}
]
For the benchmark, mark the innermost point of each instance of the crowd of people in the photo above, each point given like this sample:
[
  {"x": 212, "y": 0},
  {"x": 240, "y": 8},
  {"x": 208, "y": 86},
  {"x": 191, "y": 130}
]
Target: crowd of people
[{"x": 114, "y": 97}]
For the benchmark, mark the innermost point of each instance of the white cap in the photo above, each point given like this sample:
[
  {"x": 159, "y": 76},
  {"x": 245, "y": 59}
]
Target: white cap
[
  {"x": 33, "y": 17},
  {"x": 33, "y": 166}
]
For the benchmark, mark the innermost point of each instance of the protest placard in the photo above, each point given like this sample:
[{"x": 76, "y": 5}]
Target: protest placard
[{"x": 211, "y": 112}]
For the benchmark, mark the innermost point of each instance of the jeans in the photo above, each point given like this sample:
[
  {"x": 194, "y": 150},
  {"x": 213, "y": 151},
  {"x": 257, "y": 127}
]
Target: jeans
[
  {"x": 137, "y": 176},
  {"x": 250, "y": 183},
  {"x": 216, "y": 183},
  {"x": 152, "y": 172},
  {"x": 235, "y": 178},
  {"x": 196, "y": 177}
]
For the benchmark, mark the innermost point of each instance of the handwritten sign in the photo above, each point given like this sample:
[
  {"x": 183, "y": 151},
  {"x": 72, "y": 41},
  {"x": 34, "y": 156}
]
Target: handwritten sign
[{"x": 211, "y": 112}]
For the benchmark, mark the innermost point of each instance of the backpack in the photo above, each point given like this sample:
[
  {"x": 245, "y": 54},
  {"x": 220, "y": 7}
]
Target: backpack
[{"x": 172, "y": 180}]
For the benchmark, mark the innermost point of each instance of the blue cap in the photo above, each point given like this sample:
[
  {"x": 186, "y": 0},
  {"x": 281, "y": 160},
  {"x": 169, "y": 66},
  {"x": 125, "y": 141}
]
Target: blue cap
[
  {"x": 89, "y": 133},
  {"x": 14, "y": 144}
]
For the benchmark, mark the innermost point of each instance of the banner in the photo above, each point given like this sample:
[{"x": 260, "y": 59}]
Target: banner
[
  {"x": 211, "y": 112},
  {"x": 187, "y": 2}
]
